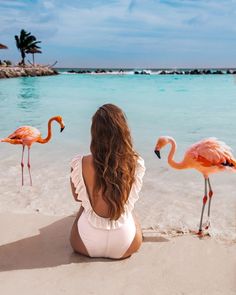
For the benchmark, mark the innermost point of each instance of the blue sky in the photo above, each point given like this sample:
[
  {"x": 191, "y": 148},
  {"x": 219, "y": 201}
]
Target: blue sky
[{"x": 124, "y": 33}]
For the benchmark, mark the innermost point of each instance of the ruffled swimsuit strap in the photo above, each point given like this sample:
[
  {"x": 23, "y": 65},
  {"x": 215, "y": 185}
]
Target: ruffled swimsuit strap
[
  {"x": 78, "y": 181},
  {"x": 137, "y": 185}
]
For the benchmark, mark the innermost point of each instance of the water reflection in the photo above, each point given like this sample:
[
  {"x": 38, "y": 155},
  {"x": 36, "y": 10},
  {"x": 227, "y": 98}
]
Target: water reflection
[
  {"x": 29, "y": 101},
  {"x": 28, "y": 94}
]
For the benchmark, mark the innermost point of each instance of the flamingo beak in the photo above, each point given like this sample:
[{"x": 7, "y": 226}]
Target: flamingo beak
[
  {"x": 158, "y": 153},
  {"x": 62, "y": 128}
]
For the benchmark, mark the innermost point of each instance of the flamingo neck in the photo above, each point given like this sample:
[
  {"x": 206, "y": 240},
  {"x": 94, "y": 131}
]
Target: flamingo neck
[
  {"x": 171, "y": 161},
  {"x": 49, "y": 136}
]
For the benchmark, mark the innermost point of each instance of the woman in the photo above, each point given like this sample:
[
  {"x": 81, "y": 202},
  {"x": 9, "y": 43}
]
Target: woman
[{"x": 107, "y": 184}]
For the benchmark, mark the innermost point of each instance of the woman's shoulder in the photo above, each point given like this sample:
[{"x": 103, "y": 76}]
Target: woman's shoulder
[
  {"x": 88, "y": 159},
  {"x": 77, "y": 159}
]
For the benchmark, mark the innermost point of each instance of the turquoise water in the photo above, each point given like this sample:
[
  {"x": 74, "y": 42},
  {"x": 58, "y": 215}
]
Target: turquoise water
[{"x": 187, "y": 108}]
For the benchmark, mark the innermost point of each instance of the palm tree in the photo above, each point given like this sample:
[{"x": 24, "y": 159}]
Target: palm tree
[{"x": 25, "y": 42}]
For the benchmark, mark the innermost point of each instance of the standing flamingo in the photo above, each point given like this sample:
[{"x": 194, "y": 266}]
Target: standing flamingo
[
  {"x": 207, "y": 156},
  {"x": 26, "y": 136}
]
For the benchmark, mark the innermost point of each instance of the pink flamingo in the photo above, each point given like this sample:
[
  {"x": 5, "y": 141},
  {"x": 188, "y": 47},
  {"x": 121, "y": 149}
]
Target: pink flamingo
[
  {"x": 26, "y": 136},
  {"x": 207, "y": 156}
]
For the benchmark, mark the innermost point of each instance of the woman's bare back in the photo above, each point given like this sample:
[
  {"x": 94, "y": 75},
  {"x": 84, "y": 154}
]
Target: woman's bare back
[{"x": 100, "y": 207}]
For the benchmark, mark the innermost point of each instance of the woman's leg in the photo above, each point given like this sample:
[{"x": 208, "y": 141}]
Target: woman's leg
[
  {"x": 75, "y": 239},
  {"x": 137, "y": 241}
]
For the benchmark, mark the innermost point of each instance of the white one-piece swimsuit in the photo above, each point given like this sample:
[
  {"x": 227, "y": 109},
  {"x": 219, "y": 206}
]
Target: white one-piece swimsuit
[{"x": 104, "y": 237}]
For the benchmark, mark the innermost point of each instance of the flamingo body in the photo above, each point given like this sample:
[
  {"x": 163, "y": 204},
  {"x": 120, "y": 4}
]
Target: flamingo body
[
  {"x": 206, "y": 156},
  {"x": 27, "y": 135},
  {"x": 209, "y": 156}
]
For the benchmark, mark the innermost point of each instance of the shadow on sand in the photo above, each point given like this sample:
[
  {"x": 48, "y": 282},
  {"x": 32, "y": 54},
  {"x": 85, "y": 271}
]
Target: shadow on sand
[{"x": 50, "y": 248}]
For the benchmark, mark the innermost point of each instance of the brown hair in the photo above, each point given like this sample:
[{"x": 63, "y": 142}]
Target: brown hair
[{"x": 113, "y": 156}]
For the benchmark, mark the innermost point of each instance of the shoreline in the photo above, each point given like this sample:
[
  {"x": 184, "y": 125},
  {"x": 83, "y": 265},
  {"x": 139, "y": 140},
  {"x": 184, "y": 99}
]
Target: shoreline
[
  {"x": 35, "y": 253},
  {"x": 27, "y": 71}
]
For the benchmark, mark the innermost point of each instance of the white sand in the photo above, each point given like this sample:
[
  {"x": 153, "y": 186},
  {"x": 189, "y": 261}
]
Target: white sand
[{"x": 36, "y": 258}]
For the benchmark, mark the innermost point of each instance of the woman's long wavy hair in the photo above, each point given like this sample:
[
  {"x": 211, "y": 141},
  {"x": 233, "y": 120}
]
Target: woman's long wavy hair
[{"x": 114, "y": 158}]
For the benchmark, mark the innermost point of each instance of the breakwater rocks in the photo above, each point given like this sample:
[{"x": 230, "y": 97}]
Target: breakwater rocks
[
  {"x": 198, "y": 72},
  {"x": 14, "y": 72},
  {"x": 156, "y": 72}
]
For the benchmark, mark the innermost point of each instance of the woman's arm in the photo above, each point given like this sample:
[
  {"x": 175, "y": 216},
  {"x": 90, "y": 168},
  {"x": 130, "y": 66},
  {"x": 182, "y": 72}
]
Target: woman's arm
[{"x": 75, "y": 195}]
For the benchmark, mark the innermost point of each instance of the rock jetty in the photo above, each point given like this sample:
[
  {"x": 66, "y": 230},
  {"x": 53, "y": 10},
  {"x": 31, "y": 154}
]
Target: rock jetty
[
  {"x": 14, "y": 72},
  {"x": 160, "y": 72}
]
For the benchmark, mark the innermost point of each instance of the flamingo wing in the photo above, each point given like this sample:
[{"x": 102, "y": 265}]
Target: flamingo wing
[
  {"x": 211, "y": 152},
  {"x": 25, "y": 132}
]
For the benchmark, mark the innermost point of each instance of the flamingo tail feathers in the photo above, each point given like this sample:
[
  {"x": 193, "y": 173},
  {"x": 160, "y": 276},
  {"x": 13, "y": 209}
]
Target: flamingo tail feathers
[
  {"x": 12, "y": 141},
  {"x": 230, "y": 164},
  {"x": 233, "y": 162}
]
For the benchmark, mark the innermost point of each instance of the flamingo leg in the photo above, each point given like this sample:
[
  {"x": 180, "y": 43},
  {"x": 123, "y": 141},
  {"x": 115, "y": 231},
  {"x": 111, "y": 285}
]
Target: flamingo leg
[
  {"x": 204, "y": 200},
  {"x": 209, "y": 204},
  {"x": 28, "y": 164},
  {"x": 22, "y": 165}
]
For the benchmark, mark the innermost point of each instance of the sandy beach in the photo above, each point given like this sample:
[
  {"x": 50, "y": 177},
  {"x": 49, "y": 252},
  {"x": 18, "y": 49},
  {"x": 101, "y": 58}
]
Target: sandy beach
[{"x": 36, "y": 258}]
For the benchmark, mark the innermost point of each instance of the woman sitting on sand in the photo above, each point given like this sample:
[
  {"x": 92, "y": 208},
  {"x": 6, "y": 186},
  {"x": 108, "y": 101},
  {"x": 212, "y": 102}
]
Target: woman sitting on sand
[{"x": 107, "y": 184}]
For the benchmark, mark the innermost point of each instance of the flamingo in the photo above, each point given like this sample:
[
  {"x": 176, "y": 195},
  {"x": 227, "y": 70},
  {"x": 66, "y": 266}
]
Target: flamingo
[
  {"x": 26, "y": 136},
  {"x": 206, "y": 156}
]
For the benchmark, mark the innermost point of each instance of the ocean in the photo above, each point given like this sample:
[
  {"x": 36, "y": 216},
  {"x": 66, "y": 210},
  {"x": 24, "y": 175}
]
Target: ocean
[{"x": 186, "y": 107}]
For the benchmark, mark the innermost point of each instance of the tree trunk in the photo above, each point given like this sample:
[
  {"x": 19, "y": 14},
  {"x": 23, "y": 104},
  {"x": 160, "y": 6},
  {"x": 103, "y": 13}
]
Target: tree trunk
[{"x": 23, "y": 57}]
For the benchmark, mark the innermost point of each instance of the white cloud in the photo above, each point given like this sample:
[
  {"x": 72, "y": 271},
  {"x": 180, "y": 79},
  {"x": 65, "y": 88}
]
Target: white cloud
[
  {"x": 115, "y": 23},
  {"x": 48, "y": 4}
]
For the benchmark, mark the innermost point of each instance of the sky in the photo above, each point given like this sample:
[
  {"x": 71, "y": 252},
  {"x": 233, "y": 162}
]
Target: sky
[{"x": 124, "y": 33}]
